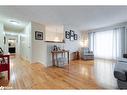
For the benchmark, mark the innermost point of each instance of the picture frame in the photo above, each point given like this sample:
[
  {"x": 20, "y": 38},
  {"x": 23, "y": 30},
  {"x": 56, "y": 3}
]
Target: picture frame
[
  {"x": 67, "y": 34},
  {"x": 38, "y": 35},
  {"x": 71, "y": 38},
  {"x": 75, "y": 37},
  {"x": 71, "y": 32}
]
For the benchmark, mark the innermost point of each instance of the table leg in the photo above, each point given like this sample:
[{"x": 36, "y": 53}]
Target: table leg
[
  {"x": 8, "y": 68},
  {"x": 53, "y": 60},
  {"x": 68, "y": 57},
  {"x": 56, "y": 59}
]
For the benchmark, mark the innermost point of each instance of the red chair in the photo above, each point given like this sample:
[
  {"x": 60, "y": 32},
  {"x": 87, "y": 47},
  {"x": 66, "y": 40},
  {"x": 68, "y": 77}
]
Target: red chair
[{"x": 5, "y": 64}]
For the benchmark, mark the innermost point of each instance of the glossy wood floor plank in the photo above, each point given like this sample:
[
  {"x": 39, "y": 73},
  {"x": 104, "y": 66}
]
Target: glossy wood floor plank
[{"x": 77, "y": 75}]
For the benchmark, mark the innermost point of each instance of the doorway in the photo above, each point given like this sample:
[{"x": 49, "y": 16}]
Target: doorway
[{"x": 12, "y": 46}]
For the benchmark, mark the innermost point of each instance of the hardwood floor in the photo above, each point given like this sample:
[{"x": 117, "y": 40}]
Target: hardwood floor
[{"x": 78, "y": 75}]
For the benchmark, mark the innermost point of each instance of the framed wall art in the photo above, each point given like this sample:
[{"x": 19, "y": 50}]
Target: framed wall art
[
  {"x": 67, "y": 34},
  {"x": 38, "y": 35},
  {"x": 75, "y": 36},
  {"x": 71, "y": 38},
  {"x": 71, "y": 32}
]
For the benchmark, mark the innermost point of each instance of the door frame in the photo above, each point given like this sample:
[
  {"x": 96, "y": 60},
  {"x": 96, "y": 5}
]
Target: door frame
[{"x": 8, "y": 36}]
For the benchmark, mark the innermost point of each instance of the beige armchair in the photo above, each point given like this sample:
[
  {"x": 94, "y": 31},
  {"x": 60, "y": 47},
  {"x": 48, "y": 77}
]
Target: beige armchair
[{"x": 86, "y": 54}]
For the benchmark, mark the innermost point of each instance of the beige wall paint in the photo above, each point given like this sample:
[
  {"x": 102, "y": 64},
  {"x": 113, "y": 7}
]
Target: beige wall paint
[{"x": 84, "y": 39}]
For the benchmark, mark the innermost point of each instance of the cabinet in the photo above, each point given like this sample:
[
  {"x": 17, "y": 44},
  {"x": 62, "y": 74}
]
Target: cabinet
[
  {"x": 54, "y": 33},
  {"x": 76, "y": 55}
]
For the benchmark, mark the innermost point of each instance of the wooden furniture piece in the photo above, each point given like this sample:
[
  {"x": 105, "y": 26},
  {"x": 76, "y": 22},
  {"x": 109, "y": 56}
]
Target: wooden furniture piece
[
  {"x": 12, "y": 49},
  {"x": 5, "y": 64},
  {"x": 76, "y": 55},
  {"x": 55, "y": 54}
]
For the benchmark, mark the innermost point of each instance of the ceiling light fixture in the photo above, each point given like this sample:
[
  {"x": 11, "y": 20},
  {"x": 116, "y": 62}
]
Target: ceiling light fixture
[{"x": 14, "y": 22}]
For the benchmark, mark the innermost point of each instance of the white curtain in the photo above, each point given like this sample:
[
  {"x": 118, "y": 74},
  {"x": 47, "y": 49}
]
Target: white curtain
[{"x": 108, "y": 44}]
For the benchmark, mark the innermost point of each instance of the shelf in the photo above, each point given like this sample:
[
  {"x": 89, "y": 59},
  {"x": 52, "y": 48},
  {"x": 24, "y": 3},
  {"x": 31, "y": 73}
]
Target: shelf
[{"x": 54, "y": 42}]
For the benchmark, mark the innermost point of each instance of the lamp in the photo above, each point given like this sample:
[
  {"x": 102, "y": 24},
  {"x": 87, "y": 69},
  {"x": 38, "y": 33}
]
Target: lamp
[
  {"x": 86, "y": 43},
  {"x": 81, "y": 43}
]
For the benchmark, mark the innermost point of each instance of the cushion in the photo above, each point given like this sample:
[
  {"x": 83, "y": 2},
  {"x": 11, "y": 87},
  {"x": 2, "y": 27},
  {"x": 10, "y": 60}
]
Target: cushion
[
  {"x": 86, "y": 50},
  {"x": 88, "y": 53},
  {"x": 120, "y": 75}
]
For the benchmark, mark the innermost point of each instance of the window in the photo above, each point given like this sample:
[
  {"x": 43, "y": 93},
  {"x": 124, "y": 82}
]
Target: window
[{"x": 108, "y": 44}]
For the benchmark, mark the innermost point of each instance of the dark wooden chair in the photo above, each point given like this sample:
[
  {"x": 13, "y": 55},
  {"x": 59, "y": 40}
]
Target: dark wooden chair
[{"x": 5, "y": 64}]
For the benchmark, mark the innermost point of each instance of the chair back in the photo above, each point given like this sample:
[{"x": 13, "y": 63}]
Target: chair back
[{"x": 86, "y": 50}]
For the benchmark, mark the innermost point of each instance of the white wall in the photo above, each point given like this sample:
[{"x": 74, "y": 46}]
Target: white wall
[
  {"x": 38, "y": 46},
  {"x": 25, "y": 43},
  {"x": 2, "y": 34}
]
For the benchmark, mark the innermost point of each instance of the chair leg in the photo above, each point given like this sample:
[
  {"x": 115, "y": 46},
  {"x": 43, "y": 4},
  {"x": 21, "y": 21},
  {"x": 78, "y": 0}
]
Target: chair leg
[{"x": 8, "y": 74}]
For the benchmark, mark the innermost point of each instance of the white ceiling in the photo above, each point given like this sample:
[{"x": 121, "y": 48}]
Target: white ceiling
[
  {"x": 17, "y": 26},
  {"x": 81, "y": 17}
]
